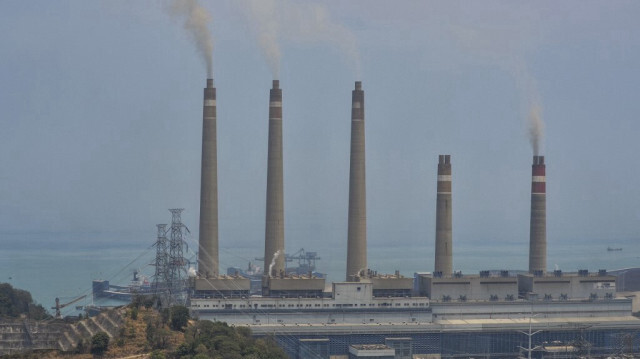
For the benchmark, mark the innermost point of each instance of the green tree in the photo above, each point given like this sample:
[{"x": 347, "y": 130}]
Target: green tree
[
  {"x": 179, "y": 317},
  {"x": 15, "y": 302},
  {"x": 219, "y": 341},
  {"x": 99, "y": 343},
  {"x": 183, "y": 350}
]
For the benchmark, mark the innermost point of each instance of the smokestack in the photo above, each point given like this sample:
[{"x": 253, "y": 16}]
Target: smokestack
[
  {"x": 357, "y": 235},
  {"x": 444, "y": 252},
  {"x": 208, "y": 241},
  {"x": 274, "y": 229},
  {"x": 538, "y": 229}
]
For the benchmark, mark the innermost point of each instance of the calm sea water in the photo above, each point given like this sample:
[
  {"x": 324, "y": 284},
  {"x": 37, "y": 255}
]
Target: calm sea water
[{"x": 63, "y": 265}]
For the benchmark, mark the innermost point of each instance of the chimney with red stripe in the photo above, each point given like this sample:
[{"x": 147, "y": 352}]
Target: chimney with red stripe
[{"x": 538, "y": 229}]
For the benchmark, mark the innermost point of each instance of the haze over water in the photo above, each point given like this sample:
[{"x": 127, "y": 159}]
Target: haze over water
[
  {"x": 101, "y": 130},
  {"x": 49, "y": 271}
]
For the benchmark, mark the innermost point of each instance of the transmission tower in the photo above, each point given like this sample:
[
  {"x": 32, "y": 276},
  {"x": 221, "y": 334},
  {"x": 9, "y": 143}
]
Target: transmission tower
[
  {"x": 162, "y": 260},
  {"x": 177, "y": 270}
]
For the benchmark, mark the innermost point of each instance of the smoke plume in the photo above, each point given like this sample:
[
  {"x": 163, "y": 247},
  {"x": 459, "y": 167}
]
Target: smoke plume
[
  {"x": 536, "y": 128},
  {"x": 508, "y": 47},
  {"x": 196, "y": 21},
  {"x": 275, "y": 21},
  {"x": 273, "y": 261}
]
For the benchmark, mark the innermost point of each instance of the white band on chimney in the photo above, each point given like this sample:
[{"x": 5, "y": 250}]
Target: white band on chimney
[
  {"x": 209, "y": 102},
  {"x": 444, "y": 178},
  {"x": 538, "y": 179},
  {"x": 275, "y": 104},
  {"x": 356, "y": 105},
  {"x": 444, "y": 192}
]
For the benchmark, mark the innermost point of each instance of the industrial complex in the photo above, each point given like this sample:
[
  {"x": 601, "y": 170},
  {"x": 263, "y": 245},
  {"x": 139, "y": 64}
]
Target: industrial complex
[{"x": 439, "y": 313}]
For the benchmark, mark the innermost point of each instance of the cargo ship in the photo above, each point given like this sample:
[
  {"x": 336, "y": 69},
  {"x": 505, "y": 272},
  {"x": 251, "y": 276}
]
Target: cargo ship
[{"x": 139, "y": 285}]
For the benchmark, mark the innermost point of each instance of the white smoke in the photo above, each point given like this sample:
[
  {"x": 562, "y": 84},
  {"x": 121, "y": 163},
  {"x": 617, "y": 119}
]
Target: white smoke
[
  {"x": 191, "y": 272},
  {"x": 196, "y": 22},
  {"x": 275, "y": 21},
  {"x": 273, "y": 261},
  {"x": 536, "y": 128}
]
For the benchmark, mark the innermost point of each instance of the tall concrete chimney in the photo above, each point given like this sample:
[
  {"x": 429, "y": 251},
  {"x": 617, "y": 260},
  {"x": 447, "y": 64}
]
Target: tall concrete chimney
[
  {"x": 274, "y": 229},
  {"x": 357, "y": 235},
  {"x": 208, "y": 241},
  {"x": 444, "y": 244},
  {"x": 538, "y": 229}
]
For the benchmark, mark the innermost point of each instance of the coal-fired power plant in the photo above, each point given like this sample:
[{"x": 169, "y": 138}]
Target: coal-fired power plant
[
  {"x": 357, "y": 231},
  {"x": 311, "y": 319},
  {"x": 208, "y": 240},
  {"x": 274, "y": 228},
  {"x": 538, "y": 229},
  {"x": 444, "y": 250}
]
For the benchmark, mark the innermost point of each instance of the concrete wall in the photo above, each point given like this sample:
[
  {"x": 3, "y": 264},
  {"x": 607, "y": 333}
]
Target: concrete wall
[
  {"x": 296, "y": 283},
  {"x": 21, "y": 336},
  {"x": 345, "y": 292},
  {"x": 521, "y": 309},
  {"x": 471, "y": 287},
  {"x": 222, "y": 284},
  {"x": 322, "y": 318},
  {"x": 392, "y": 283},
  {"x": 574, "y": 286}
]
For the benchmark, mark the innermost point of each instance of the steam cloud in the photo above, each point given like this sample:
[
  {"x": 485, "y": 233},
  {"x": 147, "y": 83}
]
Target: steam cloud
[
  {"x": 273, "y": 261},
  {"x": 536, "y": 128},
  {"x": 196, "y": 21},
  {"x": 275, "y": 21}
]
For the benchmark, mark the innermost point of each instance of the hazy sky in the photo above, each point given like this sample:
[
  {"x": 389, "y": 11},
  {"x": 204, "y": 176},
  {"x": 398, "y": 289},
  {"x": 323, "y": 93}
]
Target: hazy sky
[{"x": 101, "y": 115}]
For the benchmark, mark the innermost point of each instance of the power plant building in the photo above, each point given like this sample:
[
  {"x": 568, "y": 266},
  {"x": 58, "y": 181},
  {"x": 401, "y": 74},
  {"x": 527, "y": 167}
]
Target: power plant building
[{"x": 432, "y": 315}]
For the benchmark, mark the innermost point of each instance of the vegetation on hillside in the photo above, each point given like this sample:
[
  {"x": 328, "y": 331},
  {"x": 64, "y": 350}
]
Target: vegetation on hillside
[
  {"x": 159, "y": 334},
  {"x": 217, "y": 340},
  {"x": 17, "y": 302}
]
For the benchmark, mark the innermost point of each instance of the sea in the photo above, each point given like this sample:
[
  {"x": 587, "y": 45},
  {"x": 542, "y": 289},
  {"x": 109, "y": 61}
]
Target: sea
[{"x": 63, "y": 265}]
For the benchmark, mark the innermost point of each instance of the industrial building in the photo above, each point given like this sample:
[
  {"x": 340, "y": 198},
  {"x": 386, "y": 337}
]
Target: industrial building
[{"x": 443, "y": 313}]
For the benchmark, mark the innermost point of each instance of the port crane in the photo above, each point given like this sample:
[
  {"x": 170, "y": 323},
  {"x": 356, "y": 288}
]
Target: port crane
[{"x": 60, "y": 306}]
